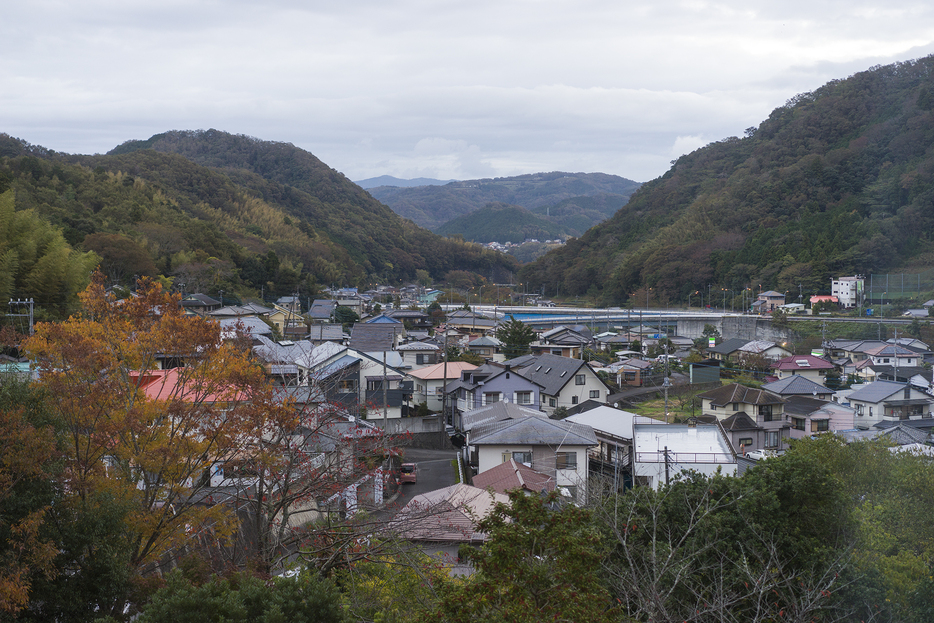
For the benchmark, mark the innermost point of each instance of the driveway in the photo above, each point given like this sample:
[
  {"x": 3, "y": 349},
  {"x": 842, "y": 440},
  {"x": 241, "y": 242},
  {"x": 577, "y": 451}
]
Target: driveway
[{"x": 435, "y": 471}]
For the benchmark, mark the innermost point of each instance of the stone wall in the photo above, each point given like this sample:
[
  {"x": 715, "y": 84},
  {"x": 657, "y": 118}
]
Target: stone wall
[{"x": 744, "y": 327}]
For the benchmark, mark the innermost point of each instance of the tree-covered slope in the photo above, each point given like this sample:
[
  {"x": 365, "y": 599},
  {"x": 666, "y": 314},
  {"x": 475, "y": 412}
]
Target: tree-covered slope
[
  {"x": 254, "y": 216},
  {"x": 837, "y": 181},
  {"x": 432, "y": 206},
  {"x": 500, "y": 222}
]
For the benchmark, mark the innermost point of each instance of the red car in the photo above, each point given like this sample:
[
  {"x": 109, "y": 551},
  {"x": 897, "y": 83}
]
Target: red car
[{"x": 409, "y": 472}]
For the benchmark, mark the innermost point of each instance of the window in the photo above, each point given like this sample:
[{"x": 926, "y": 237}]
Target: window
[
  {"x": 771, "y": 439},
  {"x": 797, "y": 423},
  {"x": 522, "y": 457},
  {"x": 566, "y": 460},
  {"x": 551, "y": 402},
  {"x": 736, "y": 406},
  {"x": 523, "y": 398},
  {"x": 745, "y": 442},
  {"x": 580, "y": 379},
  {"x": 766, "y": 412},
  {"x": 347, "y": 386},
  {"x": 419, "y": 359},
  {"x": 490, "y": 397},
  {"x": 573, "y": 400},
  {"x": 595, "y": 393},
  {"x": 907, "y": 393},
  {"x": 859, "y": 409},
  {"x": 819, "y": 426}
]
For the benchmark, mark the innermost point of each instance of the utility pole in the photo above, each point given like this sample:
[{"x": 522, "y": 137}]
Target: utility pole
[{"x": 666, "y": 465}]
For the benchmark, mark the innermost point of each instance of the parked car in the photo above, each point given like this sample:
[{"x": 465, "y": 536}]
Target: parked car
[{"x": 409, "y": 472}]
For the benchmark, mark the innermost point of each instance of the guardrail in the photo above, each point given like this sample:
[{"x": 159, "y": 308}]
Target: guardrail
[{"x": 684, "y": 457}]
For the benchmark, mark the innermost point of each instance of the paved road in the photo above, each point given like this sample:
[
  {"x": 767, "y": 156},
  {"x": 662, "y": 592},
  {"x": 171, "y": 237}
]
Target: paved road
[{"x": 435, "y": 471}]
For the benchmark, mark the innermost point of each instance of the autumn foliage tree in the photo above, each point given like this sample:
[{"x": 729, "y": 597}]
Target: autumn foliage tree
[{"x": 142, "y": 435}]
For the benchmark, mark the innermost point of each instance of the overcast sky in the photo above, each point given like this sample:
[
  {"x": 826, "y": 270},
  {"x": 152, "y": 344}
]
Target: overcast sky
[{"x": 446, "y": 89}]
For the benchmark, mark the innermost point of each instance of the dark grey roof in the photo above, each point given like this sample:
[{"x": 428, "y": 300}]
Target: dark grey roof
[
  {"x": 497, "y": 412},
  {"x": 377, "y": 337},
  {"x": 330, "y": 332},
  {"x": 796, "y": 385},
  {"x": 739, "y": 421},
  {"x": 803, "y": 405},
  {"x": 729, "y": 346},
  {"x": 552, "y": 372},
  {"x": 877, "y": 391},
  {"x": 734, "y": 392},
  {"x": 534, "y": 431}
]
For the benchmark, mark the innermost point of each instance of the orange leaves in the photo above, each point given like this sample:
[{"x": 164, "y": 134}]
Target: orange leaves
[{"x": 159, "y": 398}]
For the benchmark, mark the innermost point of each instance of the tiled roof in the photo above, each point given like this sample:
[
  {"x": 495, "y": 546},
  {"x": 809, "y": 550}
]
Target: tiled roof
[
  {"x": 802, "y": 362},
  {"x": 371, "y": 338},
  {"x": 796, "y": 385},
  {"x": 734, "y": 392},
  {"x": 533, "y": 431},
  {"x": 511, "y": 475}
]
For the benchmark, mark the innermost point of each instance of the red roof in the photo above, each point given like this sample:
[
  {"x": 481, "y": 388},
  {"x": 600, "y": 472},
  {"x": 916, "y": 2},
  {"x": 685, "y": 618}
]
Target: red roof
[{"x": 802, "y": 362}]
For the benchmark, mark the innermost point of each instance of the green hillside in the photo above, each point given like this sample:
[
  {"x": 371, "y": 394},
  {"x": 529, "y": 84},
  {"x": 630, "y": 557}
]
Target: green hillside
[
  {"x": 500, "y": 222},
  {"x": 838, "y": 181},
  {"x": 217, "y": 211},
  {"x": 432, "y": 206}
]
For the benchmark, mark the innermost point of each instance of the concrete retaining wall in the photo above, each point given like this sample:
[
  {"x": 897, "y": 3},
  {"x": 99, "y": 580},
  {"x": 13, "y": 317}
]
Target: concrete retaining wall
[{"x": 744, "y": 327}]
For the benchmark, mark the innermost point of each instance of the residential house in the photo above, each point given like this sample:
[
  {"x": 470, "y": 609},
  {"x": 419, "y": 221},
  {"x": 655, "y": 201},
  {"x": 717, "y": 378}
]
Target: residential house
[
  {"x": 727, "y": 349},
  {"x": 494, "y": 412},
  {"x": 613, "y": 428},
  {"x": 882, "y": 401},
  {"x": 512, "y": 476},
  {"x": 288, "y": 322},
  {"x": 762, "y": 348},
  {"x": 200, "y": 304},
  {"x": 565, "y": 382},
  {"x": 326, "y": 332},
  {"x": 322, "y": 310},
  {"x": 469, "y": 322},
  {"x": 768, "y": 302},
  {"x": 491, "y": 383},
  {"x": 562, "y": 341},
  {"x": 811, "y": 416},
  {"x": 442, "y": 520},
  {"x": 798, "y": 385},
  {"x": 807, "y": 366},
  {"x": 633, "y": 372},
  {"x": 762, "y": 408},
  {"x": 662, "y": 451},
  {"x": 376, "y": 337},
  {"x": 488, "y": 347},
  {"x": 555, "y": 448},
  {"x": 430, "y": 382},
  {"x": 419, "y": 354}
]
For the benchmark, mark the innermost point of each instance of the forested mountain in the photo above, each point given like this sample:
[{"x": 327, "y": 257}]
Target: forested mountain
[
  {"x": 837, "y": 181},
  {"x": 432, "y": 206},
  {"x": 501, "y": 222},
  {"x": 219, "y": 211}
]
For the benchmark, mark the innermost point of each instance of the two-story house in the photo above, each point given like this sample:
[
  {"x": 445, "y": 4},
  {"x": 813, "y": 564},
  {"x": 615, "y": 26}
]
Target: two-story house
[
  {"x": 887, "y": 401},
  {"x": 810, "y": 416},
  {"x": 565, "y": 382},
  {"x": 808, "y": 366},
  {"x": 492, "y": 383},
  {"x": 555, "y": 448},
  {"x": 754, "y": 418}
]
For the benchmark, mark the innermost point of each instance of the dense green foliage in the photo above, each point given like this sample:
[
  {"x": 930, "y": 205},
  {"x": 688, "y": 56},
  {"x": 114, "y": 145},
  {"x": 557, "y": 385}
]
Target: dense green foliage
[
  {"x": 578, "y": 200},
  {"x": 218, "y": 211},
  {"x": 306, "y": 598},
  {"x": 838, "y": 181},
  {"x": 499, "y": 222}
]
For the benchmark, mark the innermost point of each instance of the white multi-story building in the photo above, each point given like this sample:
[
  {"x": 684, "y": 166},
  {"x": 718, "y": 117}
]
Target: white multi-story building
[{"x": 848, "y": 290}]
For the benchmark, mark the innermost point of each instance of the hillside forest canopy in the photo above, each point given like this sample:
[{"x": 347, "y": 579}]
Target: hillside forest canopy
[
  {"x": 212, "y": 211},
  {"x": 836, "y": 182}
]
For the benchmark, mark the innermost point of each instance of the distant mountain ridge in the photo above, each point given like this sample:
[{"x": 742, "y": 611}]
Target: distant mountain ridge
[
  {"x": 388, "y": 180},
  {"x": 835, "y": 182},
  {"x": 432, "y": 206}
]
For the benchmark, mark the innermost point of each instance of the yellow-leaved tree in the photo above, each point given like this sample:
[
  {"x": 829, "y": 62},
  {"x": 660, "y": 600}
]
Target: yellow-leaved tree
[{"x": 152, "y": 400}]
